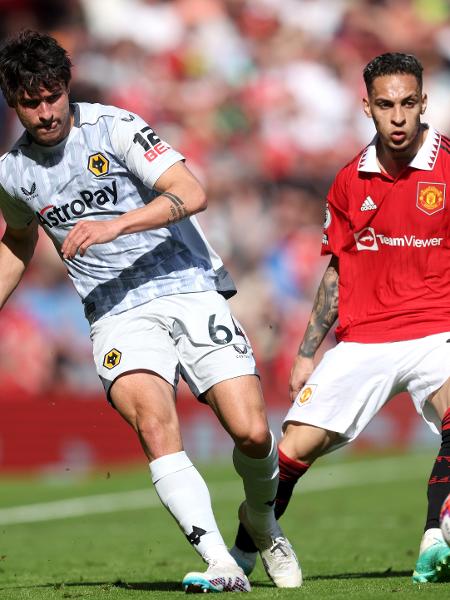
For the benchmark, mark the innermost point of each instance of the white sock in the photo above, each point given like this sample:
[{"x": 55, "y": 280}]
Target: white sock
[
  {"x": 430, "y": 537},
  {"x": 260, "y": 478},
  {"x": 184, "y": 493}
]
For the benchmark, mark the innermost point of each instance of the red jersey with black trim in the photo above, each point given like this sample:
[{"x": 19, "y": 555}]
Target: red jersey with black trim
[{"x": 391, "y": 237}]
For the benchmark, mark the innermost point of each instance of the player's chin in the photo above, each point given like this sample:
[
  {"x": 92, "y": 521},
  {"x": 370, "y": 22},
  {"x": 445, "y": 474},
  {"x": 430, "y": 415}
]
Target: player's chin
[
  {"x": 400, "y": 146},
  {"x": 48, "y": 137}
]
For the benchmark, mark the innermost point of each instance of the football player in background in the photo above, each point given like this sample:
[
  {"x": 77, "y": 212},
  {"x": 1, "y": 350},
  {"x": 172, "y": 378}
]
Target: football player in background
[
  {"x": 388, "y": 283},
  {"x": 118, "y": 203}
]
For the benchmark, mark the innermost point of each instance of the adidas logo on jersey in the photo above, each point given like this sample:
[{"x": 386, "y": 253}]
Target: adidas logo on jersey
[{"x": 368, "y": 204}]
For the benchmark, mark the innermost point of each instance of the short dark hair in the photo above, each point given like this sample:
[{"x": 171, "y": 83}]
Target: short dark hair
[
  {"x": 31, "y": 60},
  {"x": 392, "y": 63}
]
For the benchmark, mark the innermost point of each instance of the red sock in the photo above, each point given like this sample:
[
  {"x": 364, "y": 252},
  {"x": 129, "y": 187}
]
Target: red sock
[
  {"x": 439, "y": 483},
  {"x": 290, "y": 472}
]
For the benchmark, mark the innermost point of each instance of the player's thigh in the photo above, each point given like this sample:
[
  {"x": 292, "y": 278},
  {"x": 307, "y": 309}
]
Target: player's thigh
[
  {"x": 147, "y": 402},
  {"x": 239, "y": 405},
  {"x": 136, "y": 340},
  {"x": 428, "y": 377},
  {"x": 305, "y": 442},
  {"x": 346, "y": 390},
  {"x": 217, "y": 362},
  {"x": 440, "y": 399},
  {"x": 211, "y": 344}
]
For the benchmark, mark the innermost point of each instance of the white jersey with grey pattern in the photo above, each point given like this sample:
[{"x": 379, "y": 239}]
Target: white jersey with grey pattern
[{"x": 108, "y": 166}]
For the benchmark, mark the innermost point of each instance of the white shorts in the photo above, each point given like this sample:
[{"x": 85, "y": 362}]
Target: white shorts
[
  {"x": 354, "y": 381},
  {"x": 192, "y": 334}
]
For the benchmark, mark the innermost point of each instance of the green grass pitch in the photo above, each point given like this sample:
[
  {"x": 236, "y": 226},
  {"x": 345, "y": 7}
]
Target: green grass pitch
[{"x": 355, "y": 523}]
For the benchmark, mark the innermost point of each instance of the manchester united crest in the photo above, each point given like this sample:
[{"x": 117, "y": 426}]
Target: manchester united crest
[
  {"x": 430, "y": 197},
  {"x": 305, "y": 394}
]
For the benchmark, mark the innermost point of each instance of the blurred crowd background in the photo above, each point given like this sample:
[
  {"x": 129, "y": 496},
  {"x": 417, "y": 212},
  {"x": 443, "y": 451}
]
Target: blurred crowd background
[{"x": 263, "y": 97}]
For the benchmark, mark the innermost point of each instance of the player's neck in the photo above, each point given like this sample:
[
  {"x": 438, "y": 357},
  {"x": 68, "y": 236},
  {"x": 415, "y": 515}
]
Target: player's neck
[{"x": 393, "y": 163}]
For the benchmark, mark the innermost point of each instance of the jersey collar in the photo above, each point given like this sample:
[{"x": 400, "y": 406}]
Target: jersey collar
[{"x": 423, "y": 160}]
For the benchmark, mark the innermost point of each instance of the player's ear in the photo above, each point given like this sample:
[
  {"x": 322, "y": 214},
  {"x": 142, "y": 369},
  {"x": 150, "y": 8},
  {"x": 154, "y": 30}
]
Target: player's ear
[
  {"x": 366, "y": 107},
  {"x": 424, "y": 103}
]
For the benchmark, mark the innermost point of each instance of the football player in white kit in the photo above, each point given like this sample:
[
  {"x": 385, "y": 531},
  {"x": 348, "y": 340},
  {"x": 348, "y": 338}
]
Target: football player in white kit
[{"x": 118, "y": 203}]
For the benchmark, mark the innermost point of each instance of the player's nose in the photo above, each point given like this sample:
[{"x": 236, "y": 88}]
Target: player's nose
[
  {"x": 45, "y": 112},
  {"x": 398, "y": 116}
]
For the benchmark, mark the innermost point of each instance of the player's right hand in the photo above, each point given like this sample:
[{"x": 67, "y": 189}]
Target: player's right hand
[{"x": 300, "y": 372}]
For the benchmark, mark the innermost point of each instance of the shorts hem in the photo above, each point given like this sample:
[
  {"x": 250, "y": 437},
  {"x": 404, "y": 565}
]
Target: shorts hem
[
  {"x": 314, "y": 424},
  {"x": 110, "y": 382},
  {"x": 218, "y": 379}
]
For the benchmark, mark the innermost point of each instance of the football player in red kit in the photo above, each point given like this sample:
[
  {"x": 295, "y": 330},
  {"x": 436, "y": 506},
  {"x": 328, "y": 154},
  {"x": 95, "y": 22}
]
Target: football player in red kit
[{"x": 388, "y": 285}]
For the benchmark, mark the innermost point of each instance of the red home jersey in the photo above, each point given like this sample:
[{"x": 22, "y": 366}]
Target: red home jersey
[{"x": 392, "y": 240}]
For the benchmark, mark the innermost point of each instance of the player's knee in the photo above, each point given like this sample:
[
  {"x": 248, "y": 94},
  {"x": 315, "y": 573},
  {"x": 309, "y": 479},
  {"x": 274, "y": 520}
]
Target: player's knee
[
  {"x": 255, "y": 439},
  {"x": 153, "y": 426},
  {"x": 440, "y": 399}
]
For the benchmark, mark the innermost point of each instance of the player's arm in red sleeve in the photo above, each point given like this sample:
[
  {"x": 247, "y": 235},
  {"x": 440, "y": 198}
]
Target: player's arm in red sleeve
[
  {"x": 323, "y": 317},
  {"x": 325, "y": 307},
  {"x": 336, "y": 226},
  {"x": 16, "y": 249}
]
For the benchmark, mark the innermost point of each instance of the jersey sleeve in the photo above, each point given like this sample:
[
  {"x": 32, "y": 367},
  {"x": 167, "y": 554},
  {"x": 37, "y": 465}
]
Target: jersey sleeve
[
  {"x": 336, "y": 226},
  {"x": 15, "y": 212},
  {"x": 140, "y": 148}
]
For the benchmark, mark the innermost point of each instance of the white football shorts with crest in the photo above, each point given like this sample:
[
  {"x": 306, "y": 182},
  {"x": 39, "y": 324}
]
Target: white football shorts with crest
[
  {"x": 193, "y": 335},
  {"x": 354, "y": 381}
]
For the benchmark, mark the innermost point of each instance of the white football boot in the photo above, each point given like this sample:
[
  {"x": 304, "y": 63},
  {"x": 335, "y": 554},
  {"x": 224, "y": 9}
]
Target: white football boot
[
  {"x": 218, "y": 577},
  {"x": 277, "y": 554}
]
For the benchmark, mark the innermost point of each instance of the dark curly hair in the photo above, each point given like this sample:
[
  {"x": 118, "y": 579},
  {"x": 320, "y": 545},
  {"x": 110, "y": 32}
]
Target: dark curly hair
[
  {"x": 31, "y": 60},
  {"x": 392, "y": 63}
]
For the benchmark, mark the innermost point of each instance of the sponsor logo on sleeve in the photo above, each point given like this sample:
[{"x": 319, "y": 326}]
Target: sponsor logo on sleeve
[
  {"x": 112, "y": 358},
  {"x": 430, "y": 197},
  {"x": 327, "y": 220},
  {"x": 151, "y": 143}
]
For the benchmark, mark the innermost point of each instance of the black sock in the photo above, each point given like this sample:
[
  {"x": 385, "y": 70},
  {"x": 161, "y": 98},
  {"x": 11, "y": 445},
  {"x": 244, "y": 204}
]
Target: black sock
[{"x": 439, "y": 483}]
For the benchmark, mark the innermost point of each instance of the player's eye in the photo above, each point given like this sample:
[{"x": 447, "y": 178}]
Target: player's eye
[
  {"x": 30, "y": 103},
  {"x": 53, "y": 98}
]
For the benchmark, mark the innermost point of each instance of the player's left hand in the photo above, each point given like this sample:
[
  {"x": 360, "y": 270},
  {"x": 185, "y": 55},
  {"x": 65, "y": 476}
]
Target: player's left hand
[
  {"x": 88, "y": 233},
  {"x": 300, "y": 373}
]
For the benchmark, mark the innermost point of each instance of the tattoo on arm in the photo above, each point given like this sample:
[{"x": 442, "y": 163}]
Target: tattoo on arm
[
  {"x": 324, "y": 312},
  {"x": 177, "y": 210}
]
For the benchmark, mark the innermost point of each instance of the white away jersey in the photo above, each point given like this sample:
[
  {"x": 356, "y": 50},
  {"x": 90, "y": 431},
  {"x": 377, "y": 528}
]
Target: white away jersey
[{"x": 107, "y": 166}]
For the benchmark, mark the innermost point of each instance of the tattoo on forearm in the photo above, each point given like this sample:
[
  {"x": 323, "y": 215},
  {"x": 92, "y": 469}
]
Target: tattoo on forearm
[
  {"x": 324, "y": 313},
  {"x": 177, "y": 210}
]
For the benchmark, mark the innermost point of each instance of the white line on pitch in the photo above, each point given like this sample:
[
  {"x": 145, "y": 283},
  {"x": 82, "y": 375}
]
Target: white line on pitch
[{"x": 320, "y": 478}]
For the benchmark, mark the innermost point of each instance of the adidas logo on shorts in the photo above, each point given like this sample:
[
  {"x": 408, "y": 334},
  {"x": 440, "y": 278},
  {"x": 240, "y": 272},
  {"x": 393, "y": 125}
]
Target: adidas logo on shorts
[{"x": 368, "y": 204}]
